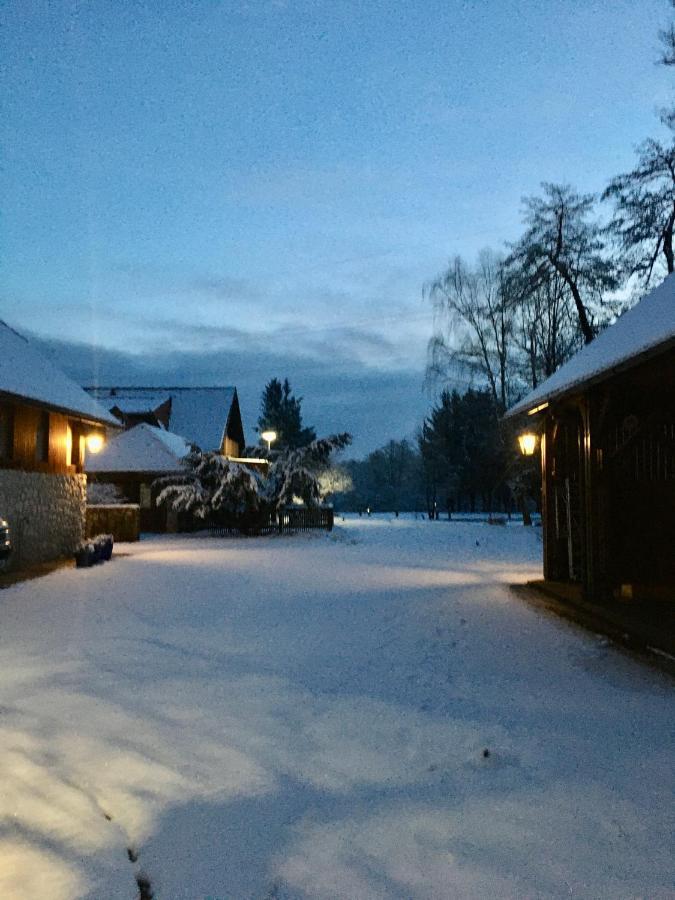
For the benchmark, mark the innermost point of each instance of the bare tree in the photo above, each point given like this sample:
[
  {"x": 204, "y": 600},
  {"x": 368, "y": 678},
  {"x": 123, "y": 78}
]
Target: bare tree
[
  {"x": 562, "y": 239},
  {"x": 667, "y": 37},
  {"x": 644, "y": 211},
  {"x": 474, "y": 323},
  {"x": 546, "y": 331}
]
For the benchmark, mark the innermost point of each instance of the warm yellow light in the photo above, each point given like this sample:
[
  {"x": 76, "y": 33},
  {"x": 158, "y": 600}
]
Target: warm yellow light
[
  {"x": 269, "y": 436},
  {"x": 527, "y": 443},
  {"x": 94, "y": 442}
]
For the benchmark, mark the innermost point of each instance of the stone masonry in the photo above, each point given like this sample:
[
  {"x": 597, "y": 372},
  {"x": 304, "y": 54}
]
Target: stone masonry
[{"x": 46, "y": 514}]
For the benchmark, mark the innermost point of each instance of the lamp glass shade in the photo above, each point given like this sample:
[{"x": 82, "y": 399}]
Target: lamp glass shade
[
  {"x": 269, "y": 436},
  {"x": 527, "y": 443},
  {"x": 95, "y": 442}
]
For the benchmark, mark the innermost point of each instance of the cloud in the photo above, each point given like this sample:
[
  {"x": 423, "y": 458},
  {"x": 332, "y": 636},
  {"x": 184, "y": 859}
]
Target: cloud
[{"x": 338, "y": 393}]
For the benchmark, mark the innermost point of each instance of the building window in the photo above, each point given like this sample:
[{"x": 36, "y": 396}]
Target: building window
[
  {"x": 76, "y": 440},
  {"x": 6, "y": 433},
  {"x": 42, "y": 438}
]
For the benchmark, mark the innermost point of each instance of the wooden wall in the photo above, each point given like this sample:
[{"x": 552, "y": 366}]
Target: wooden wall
[
  {"x": 66, "y": 447},
  {"x": 230, "y": 447}
]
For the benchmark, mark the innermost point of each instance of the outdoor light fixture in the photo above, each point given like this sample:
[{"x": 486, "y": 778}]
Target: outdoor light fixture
[
  {"x": 269, "y": 436},
  {"x": 95, "y": 442},
  {"x": 527, "y": 443}
]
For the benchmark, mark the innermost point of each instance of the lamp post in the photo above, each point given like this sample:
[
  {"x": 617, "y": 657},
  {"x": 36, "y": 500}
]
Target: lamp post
[{"x": 269, "y": 436}]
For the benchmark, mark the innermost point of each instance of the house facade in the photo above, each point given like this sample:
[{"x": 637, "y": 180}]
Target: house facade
[
  {"x": 607, "y": 426},
  {"x": 208, "y": 417},
  {"x": 46, "y": 421}
]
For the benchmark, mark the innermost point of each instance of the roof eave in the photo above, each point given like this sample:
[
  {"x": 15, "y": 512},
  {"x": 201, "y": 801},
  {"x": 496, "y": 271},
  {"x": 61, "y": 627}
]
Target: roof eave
[
  {"x": 524, "y": 406},
  {"x": 63, "y": 410}
]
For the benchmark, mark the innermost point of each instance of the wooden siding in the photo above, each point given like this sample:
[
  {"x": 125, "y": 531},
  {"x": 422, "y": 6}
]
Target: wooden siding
[
  {"x": 230, "y": 447},
  {"x": 609, "y": 484},
  {"x": 65, "y": 454}
]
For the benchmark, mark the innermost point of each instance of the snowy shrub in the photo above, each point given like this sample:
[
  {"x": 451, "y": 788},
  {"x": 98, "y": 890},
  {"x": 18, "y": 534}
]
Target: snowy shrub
[
  {"x": 225, "y": 493},
  {"x": 298, "y": 473},
  {"x": 101, "y": 493}
]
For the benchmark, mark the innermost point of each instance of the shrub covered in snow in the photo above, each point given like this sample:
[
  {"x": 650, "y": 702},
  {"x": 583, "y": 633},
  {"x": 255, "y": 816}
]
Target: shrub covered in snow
[
  {"x": 101, "y": 493},
  {"x": 222, "y": 492}
]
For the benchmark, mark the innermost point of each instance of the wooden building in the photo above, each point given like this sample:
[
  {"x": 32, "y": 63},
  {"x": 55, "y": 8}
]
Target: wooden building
[
  {"x": 606, "y": 421},
  {"x": 46, "y": 420},
  {"x": 208, "y": 417}
]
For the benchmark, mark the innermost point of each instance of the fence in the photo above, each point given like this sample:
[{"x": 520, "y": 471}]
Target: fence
[
  {"x": 305, "y": 518},
  {"x": 290, "y": 519}
]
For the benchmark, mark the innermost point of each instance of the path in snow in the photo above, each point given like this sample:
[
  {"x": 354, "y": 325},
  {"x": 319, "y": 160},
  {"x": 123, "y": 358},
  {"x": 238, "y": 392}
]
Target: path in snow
[{"x": 307, "y": 717}]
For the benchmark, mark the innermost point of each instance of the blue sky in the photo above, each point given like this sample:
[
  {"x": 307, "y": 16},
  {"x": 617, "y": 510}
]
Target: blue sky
[{"x": 228, "y": 192}]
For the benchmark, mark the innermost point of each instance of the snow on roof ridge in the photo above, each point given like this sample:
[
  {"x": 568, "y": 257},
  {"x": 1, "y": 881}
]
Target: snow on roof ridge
[
  {"x": 199, "y": 413},
  {"x": 143, "y": 448},
  {"x": 645, "y": 327},
  {"x": 29, "y": 374},
  {"x": 17, "y": 333}
]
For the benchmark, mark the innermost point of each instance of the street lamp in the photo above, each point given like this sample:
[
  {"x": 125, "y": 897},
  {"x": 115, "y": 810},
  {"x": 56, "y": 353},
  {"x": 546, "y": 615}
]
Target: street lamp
[
  {"x": 269, "y": 436},
  {"x": 527, "y": 441}
]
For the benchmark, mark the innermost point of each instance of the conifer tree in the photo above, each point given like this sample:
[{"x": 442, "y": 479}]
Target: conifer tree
[{"x": 280, "y": 411}]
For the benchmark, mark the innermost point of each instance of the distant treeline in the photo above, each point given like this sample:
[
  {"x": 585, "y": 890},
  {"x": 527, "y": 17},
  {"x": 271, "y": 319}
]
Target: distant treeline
[{"x": 461, "y": 461}]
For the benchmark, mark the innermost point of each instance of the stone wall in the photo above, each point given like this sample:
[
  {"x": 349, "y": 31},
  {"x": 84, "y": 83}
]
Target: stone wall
[{"x": 46, "y": 514}]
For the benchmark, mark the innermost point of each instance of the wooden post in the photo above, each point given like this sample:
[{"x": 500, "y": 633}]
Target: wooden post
[
  {"x": 590, "y": 505},
  {"x": 546, "y": 504}
]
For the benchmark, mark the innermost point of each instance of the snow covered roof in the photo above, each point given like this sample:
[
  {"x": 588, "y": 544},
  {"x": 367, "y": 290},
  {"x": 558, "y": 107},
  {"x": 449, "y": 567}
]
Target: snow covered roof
[
  {"x": 646, "y": 328},
  {"x": 144, "y": 448},
  {"x": 201, "y": 414},
  {"x": 25, "y": 373}
]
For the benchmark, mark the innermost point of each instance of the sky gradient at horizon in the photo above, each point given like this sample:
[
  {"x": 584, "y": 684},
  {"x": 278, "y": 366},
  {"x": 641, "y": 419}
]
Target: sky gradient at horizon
[{"x": 261, "y": 189}]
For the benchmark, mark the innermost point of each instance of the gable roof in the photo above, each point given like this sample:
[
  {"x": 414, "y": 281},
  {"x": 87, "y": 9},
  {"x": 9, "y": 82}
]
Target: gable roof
[
  {"x": 26, "y": 374},
  {"x": 647, "y": 328},
  {"x": 143, "y": 448},
  {"x": 204, "y": 415}
]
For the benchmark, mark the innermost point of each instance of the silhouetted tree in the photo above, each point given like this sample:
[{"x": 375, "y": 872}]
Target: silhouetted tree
[
  {"x": 280, "y": 411},
  {"x": 644, "y": 211},
  {"x": 474, "y": 323},
  {"x": 463, "y": 452},
  {"x": 562, "y": 239}
]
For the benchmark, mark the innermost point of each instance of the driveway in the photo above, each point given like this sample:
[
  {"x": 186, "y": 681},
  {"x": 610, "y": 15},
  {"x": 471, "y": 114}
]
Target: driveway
[{"x": 366, "y": 714}]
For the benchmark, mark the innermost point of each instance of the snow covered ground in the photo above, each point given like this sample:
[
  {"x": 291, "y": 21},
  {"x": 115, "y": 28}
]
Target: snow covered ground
[{"x": 307, "y": 716}]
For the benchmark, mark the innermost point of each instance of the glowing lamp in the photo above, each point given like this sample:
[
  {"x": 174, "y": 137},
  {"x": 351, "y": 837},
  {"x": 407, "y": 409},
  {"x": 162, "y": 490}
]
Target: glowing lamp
[
  {"x": 95, "y": 442},
  {"x": 527, "y": 443},
  {"x": 269, "y": 436}
]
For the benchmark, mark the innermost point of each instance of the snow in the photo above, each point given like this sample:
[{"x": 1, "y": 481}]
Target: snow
[
  {"x": 649, "y": 325},
  {"x": 144, "y": 448},
  {"x": 295, "y": 717},
  {"x": 200, "y": 414},
  {"x": 25, "y": 372}
]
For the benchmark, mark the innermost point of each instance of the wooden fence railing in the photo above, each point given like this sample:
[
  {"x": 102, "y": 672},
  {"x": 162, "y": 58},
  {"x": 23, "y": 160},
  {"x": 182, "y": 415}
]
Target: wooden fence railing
[
  {"x": 305, "y": 518},
  {"x": 290, "y": 519}
]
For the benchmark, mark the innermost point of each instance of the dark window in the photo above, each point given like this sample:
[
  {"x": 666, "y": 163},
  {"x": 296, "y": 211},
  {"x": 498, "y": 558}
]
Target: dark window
[
  {"x": 42, "y": 438},
  {"x": 74, "y": 445},
  {"x": 6, "y": 432}
]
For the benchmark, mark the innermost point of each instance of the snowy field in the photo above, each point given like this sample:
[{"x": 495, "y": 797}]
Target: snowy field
[{"x": 296, "y": 717}]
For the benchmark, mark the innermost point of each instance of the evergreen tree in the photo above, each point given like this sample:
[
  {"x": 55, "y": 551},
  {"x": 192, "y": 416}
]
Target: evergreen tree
[
  {"x": 224, "y": 493},
  {"x": 280, "y": 411},
  {"x": 464, "y": 453}
]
